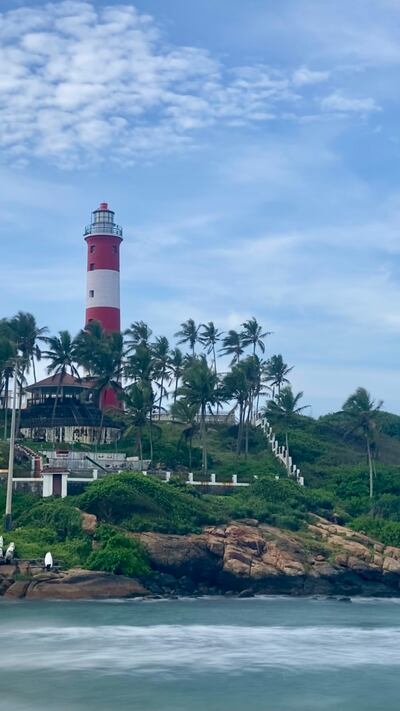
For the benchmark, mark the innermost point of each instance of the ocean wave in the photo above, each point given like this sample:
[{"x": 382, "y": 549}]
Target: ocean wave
[{"x": 200, "y": 648}]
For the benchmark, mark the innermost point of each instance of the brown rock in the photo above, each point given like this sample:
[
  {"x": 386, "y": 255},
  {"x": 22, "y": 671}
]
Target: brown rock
[
  {"x": 80, "y": 584},
  {"x": 88, "y": 522},
  {"x": 17, "y": 589}
]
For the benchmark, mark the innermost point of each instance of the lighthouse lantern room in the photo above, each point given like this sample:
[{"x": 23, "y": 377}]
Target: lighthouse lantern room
[{"x": 103, "y": 238}]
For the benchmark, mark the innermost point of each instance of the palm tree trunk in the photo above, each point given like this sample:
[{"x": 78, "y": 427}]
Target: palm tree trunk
[
  {"x": 287, "y": 452},
  {"x": 240, "y": 430},
  {"x": 371, "y": 469},
  {"x": 190, "y": 452},
  {"x": 99, "y": 436},
  {"x": 203, "y": 438},
  {"x": 53, "y": 414},
  {"x": 34, "y": 368},
  {"x": 151, "y": 435},
  {"x": 6, "y": 406},
  {"x": 161, "y": 396}
]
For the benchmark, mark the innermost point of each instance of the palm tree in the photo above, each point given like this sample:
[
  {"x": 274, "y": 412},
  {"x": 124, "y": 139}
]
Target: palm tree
[
  {"x": 209, "y": 337},
  {"x": 27, "y": 334},
  {"x": 185, "y": 413},
  {"x": 237, "y": 387},
  {"x": 252, "y": 335},
  {"x": 140, "y": 334},
  {"x": 61, "y": 354},
  {"x": 7, "y": 353},
  {"x": 232, "y": 344},
  {"x": 101, "y": 354},
  {"x": 140, "y": 367},
  {"x": 188, "y": 334},
  {"x": 285, "y": 408},
  {"x": 362, "y": 410},
  {"x": 177, "y": 366},
  {"x": 138, "y": 402},
  {"x": 162, "y": 366},
  {"x": 200, "y": 389},
  {"x": 276, "y": 371}
]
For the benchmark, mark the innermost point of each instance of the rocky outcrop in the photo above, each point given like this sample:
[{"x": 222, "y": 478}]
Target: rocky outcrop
[
  {"x": 75, "y": 584},
  {"x": 243, "y": 557},
  {"x": 325, "y": 559}
]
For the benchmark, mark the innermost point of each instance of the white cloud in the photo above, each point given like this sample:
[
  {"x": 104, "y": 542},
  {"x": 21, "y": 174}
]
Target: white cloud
[
  {"x": 82, "y": 83},
  {"x": 339, "y": 103},
  {"x": 304, "y": 76}
]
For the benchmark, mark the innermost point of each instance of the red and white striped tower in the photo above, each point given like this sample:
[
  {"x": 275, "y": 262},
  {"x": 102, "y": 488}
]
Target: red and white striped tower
[{"x": 103, "y": 238}]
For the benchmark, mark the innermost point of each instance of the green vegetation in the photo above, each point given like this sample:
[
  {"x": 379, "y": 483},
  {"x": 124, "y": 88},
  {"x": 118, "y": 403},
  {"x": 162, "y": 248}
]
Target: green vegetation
[{"x": 349, "y": 460}]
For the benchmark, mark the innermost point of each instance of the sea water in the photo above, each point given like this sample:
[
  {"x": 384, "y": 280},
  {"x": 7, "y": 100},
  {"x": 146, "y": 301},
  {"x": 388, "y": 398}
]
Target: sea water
[{"x": 263, "y": 654}]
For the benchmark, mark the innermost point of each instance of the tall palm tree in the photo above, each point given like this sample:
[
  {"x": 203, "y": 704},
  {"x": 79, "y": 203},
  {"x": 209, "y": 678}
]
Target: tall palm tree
[
  {"x": 276, "y": 371},
  {"x": 237, "y": 387},
  {"x": 140, "y": 334},
  {"x": 27, "y": 334},
  {"x": 232, "y": 344},
  {"x": 185, "y": 413},
  {"x": 61, "y": 354},
  {"x": 177, "y": 367},
  {"x": 188, "y": 334},
  {"x": 200, "y": 388},
  {"x": 363, "y": 411},
  {"x": 209, "y": 337},
  {"x": 107, "y": 367},
  {"x": 162, "y": 366},
  {"x": 7, "y": 353},
  {"x": 253, "y": 335},
  {"x": 285, "y": 408},
  {"x": 140, "y": 367},
  {"x": 138, "y": 402}
]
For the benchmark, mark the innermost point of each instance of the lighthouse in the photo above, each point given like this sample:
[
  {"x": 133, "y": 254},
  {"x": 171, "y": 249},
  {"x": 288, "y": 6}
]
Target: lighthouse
[{"x": 103, "y": 238}]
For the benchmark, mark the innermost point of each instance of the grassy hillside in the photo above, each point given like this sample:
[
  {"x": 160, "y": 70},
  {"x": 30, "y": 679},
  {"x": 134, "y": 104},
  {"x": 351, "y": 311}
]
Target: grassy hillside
[{"x": 333, "y": 463}]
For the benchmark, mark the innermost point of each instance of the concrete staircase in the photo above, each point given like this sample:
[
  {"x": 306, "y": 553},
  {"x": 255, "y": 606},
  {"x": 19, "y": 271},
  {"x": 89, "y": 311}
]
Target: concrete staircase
[{"x": 279, "y": 451}]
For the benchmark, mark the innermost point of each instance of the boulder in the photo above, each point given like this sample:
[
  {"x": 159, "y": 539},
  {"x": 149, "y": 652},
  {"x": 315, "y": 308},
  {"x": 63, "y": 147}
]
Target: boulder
[
  {"x": 77, "y": 584},
  {"x": 88, "y": 522}
]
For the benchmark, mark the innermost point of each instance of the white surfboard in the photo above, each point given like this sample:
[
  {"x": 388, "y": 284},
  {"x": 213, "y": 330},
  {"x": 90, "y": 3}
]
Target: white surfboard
[
  {"x": 1, "y": 547},
  {"x": 10, "y": 552},
  {"x": 48, "y": 561}
]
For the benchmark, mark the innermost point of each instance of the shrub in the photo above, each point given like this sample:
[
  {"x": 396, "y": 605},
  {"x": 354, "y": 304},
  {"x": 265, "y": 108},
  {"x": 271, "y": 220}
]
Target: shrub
[{"x": 120, "y": 556}]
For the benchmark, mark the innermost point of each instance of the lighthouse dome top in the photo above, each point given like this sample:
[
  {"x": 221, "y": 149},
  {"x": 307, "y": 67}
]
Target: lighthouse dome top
[{"x": 103, "y": 222}]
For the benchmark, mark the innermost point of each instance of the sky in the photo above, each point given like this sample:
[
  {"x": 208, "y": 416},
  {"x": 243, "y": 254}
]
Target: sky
[{"x": 250, "y": 151}]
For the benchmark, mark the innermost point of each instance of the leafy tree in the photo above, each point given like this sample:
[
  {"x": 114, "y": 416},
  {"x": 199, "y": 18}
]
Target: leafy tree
[
  {"x": 140, "y": 367},
  {"x": 252, "y": 335},
  {"x": 276, "y": 371},
  {"x": 363, "y": 413},
  {"x": 188, "y": 334},
  {"x": 200, "y": 388},
  {"x": 232, "y": 344},
  {"x": 7, "y": 353},
  {"x": 285, "y": 408}
]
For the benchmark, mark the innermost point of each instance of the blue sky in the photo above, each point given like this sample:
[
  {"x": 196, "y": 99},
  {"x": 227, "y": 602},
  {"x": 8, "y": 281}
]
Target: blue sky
[{"x": 251, "y": 153}]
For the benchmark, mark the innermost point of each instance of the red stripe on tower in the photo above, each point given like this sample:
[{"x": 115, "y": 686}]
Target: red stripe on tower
[{"x": 103, "y": 238}]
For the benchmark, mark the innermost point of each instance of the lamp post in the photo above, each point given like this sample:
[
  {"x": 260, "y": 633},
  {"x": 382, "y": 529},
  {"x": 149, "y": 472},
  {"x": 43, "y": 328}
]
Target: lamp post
[{"x": 8, "y": 515}]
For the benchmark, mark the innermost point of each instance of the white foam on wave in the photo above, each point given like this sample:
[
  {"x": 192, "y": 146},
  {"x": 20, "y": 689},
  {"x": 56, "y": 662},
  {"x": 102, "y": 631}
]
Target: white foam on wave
[{"x": 198, "y": 648}]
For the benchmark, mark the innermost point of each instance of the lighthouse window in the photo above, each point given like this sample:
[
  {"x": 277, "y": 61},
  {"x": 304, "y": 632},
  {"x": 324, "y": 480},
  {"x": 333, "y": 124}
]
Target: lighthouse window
[
  {"x": 91, "y": 293},
  {"x": 115, "y": 248},
  {"x": 92, "y": 248},
  {"x": 92, "y": 267}
]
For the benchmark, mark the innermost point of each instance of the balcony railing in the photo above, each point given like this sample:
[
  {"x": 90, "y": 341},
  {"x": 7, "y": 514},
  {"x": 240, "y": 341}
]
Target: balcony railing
[{"x": 98, "y": 228}]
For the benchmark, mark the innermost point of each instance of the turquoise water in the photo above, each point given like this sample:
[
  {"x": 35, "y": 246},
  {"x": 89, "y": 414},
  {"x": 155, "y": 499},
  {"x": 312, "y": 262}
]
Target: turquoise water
[{"x": 265, "y": 654}]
